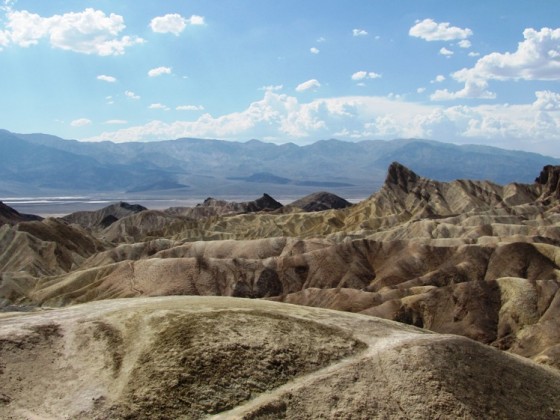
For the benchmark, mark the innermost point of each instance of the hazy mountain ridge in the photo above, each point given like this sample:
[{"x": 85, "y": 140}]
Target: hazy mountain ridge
[{"x": 214, "y": 167}]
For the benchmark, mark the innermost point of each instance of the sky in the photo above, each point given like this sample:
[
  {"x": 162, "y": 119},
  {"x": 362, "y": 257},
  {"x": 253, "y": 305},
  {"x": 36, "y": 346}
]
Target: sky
[{"x": 476, "y": 72}]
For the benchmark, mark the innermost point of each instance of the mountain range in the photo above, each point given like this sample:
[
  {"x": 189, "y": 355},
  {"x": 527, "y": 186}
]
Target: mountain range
[{"x": 42, "y": 165}]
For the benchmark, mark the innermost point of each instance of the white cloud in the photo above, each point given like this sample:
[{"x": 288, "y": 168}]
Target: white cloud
[
  {"x": 190, "y": 108},
  {"x": 359, "y": 32},
  {"x": 170, "y": 23},
  {"x": 4, "y": 39},
  {"x": 421, "y": 90},
  {"x": 281, "y": 118},
  {"x": 444, "y": 51},
  {"x": 158, "y": 71},
  {"x": 314, "y": 50},
  {"x": 310, "y": 84},
  {"x": 430, "y": 30},
  {"x": 131, "y": 95},
  {"x": 473, "y": 89},
  {"x": 534, "y": 59},
  {"x": 80, "y": 122},
  {"x": 197, "y": 20},
  {"x": 474, "y": 54},
  {"x": 465, "y": 43},
  {"x": 321, "y": 39},
  {"x": 547, "y": 101},
  {"x": 439, "y": 78},
  {"x": 272, "y": 88},
  {"x": 174, "y": 23},
  {"x": 87, "y": 32},
  {"x": 159, "y": 106},
  {"x": 105, "y": 78},
  {"x": 116, "y": 122},
  {"x": 362, "y": 75}
]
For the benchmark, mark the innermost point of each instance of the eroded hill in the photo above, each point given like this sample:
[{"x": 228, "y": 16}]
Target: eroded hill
[
  {"x": 191, "y": 357},
  {"x": 472, "y": 258}
]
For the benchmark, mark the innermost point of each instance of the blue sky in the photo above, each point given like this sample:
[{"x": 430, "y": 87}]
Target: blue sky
[{"x": 484, "y": 72}]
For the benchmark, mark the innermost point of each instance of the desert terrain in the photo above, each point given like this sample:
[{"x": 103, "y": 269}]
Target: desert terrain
[{"x": 258, "y": 310}]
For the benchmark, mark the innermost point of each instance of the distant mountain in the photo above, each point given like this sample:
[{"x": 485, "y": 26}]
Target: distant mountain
[
  {"x": 34, "y": 164},
  {"x": 321, "y": 201},
  {"x": 104, "y": 217},
  {"x": 27, "y": 167}
]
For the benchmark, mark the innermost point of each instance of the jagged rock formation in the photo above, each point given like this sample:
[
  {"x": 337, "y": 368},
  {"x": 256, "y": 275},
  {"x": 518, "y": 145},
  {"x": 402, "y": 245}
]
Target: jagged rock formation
[
  {"x": 10, "y": 216},
  {"x": 105, "y": 217},
  {"x": 321, "y": 201},
  {"x": 247, "y": 359},
  {"x": 465, "y": 257},
  {"x": 549, "y": 183}
]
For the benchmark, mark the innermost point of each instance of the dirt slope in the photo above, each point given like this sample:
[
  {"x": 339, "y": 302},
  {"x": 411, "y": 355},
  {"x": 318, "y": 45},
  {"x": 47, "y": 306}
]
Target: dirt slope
[{"x": 189, "y": 357}]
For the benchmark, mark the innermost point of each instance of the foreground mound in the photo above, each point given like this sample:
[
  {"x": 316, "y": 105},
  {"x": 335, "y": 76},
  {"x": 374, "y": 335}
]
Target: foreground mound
[{"x": 238, "y": 358}]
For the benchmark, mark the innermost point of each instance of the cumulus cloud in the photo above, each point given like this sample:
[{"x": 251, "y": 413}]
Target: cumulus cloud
[
  {"x": 280, "y": 118},
  {"x": 444, "y": 51},
  {"x": 473, "y": 89},
  {"x": 547, "y": 101},
  {"x": 80, "y": 122},
  {"x": 430, "y": 30},
  {"x": 359, "y": 32},
  {"x": 314, "y": 50},
  {"x": 310, "y": 84},
  {"x": 116, "y": 122},
  {"x": 439, "y": 78},
  {"x": 87, "y": 32},
  {"x": 465, "y": 43},
  {"x": 536, "y": 58},
  {"x": 190, "y": 108},
  {"x": 170, "y": 23},
  {"x": 131, "y": 95},
  {"x": 362, "y": 75},
  {"x": 158, "y": 71},
  {"x": 105, "y": 78},
  {"x": 174, "y": 23}
]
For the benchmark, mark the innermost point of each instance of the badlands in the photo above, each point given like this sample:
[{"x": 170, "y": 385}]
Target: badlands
[{"x": 259, "y": 311}]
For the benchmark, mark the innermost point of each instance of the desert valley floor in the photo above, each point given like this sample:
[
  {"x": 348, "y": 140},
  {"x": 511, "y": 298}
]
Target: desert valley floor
[{"x": 256, "y": 310}]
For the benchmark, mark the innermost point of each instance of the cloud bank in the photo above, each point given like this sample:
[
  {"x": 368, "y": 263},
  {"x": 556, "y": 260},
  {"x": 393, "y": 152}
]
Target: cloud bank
[{"x": 281, "y": 118}]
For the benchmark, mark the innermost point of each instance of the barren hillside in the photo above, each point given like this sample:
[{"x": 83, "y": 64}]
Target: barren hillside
[
  {"x": 190, "y": 357},
  {"x": 470, "y": 258}
]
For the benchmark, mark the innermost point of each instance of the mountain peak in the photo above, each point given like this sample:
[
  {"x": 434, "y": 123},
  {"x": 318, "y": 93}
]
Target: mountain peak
[
  {"x": 549, "y": 180},
  {"x": 399, "y": 175}
]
